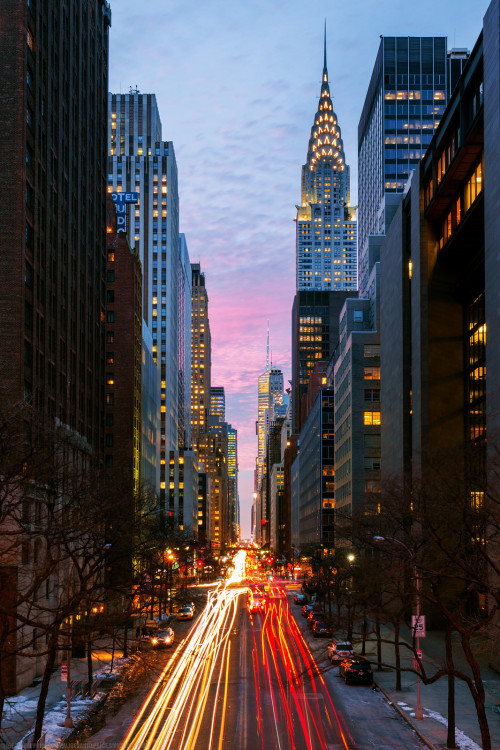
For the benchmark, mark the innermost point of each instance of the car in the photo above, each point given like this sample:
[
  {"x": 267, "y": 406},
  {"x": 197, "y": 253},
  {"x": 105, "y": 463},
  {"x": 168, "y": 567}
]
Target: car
[
  {"x": 189, "y": 604},
  {"x": 321, "y": 629},
  {"x": 300, "y": 599},
  {"x": 163, "y": 638},
  {"x": 339, "y": 650},
  {"x": 308, "y": 608},
  {"x": 356, "y": 669},
  {"x": 314, "y": 617},
  {"x": 256, "y": 603},
  {"x": 185, "y": 613}
]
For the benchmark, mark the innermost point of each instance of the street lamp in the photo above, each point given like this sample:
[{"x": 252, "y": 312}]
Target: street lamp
[{"x": 419, "y": 714}]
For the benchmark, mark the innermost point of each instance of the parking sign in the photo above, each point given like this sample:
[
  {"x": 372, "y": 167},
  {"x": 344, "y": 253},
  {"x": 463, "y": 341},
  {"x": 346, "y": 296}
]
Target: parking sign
[{"x": 418, "y": 626}]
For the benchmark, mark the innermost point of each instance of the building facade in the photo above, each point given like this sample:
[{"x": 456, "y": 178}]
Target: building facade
[
  {"x": 315, "y": 336},
  {"x": 184, "y": 385},
  {"x": 441, "y": 255},
  {"x": 140, "y": 162},
  {"x": 410, "y": 84},
  {"x": 53, "y": 240}
]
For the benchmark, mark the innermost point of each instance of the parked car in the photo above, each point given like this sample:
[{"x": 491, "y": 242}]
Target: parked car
[
  {"x": 356, "y": 669},
  {"x": 300, "y": 599},
  {"x": 308, "y": 608},
  {"x": 321, "y": 629},
  {"x": 314, "y": 617},
  {"x": 163, "y": 638},
  {"x": 339, "y": 650},
  {"x": 185, "y": 613}
]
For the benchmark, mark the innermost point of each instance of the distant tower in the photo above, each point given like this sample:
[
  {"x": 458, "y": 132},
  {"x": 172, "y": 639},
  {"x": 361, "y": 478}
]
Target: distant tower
[{"x": 326, "y": 224}]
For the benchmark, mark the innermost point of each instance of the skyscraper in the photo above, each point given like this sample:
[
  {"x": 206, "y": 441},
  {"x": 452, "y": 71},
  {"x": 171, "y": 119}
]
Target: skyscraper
[
  {"x": 232, "y": 470},
  {"x": 141, "y": 162},
  {"x": 184, "y": 335},
  {"x": 201, "y": 348},
  {"x": 53, "y": 245},
  {"x": 411, "y": 82},
  {"x": 406, "y": 98},
  {"x": 326, "y": 224},
  {"x": 53, "y": 214},
  {"x": 270, "y": 405},
  {"x": 218, "y": 403}
]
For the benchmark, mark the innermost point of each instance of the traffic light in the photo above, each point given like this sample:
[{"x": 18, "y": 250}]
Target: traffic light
[{"x": 200, "y": 563}]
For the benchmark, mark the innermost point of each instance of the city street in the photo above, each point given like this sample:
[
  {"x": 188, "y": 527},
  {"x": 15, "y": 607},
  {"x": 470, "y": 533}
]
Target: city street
[{"x": 242, "y": 680}]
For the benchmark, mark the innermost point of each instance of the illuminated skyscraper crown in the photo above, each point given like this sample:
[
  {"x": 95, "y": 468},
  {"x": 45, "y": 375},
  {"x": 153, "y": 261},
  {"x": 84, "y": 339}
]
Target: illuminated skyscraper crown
[{"x": 325, "y": 151}]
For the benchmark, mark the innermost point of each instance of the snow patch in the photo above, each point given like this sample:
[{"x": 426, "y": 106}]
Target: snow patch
[
  {"x": 463, "y": 741},
  {"x": 53, "y": 722}
]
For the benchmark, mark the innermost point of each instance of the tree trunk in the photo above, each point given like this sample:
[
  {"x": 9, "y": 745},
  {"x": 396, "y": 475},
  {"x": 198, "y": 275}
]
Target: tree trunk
[
  {"x": 450, "y": 739},
  {"x": 112, "y": 650},
  {"x": 44, "y": 688},
  {"x": 2, "y": 695},
  {"x": 379, "y": 644},
  {"x": 89, "y": 662},
  {"x": 397, "y": 655},
  {"x": 478, "y": 692},
  {"x": 363, "y": 642}
]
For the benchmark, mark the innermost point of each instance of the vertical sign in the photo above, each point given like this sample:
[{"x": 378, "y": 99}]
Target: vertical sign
[{"x": 121, "y": 201}]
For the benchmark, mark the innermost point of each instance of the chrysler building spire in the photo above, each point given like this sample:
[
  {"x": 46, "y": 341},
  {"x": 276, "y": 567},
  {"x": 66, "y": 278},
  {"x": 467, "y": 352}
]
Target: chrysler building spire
[
  {"x": 325, "y": 70},
  {"x": 326, "y": 224}
]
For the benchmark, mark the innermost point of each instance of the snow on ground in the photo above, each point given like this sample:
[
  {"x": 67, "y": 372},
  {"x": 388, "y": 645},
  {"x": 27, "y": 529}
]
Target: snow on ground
[
  {"x": 53, "y": 722},
  {"x": 463, "y": 742}
]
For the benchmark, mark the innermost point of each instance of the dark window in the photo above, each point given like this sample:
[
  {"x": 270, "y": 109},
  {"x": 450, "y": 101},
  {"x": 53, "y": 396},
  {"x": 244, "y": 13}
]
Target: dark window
[
  {"x": 109, "y": 461},
  {"x": 109, "y": 440},
  {"x": 110, "y": 296},
  {"x": 110, "y": 316},
  {"x": 110, "y": 276}
]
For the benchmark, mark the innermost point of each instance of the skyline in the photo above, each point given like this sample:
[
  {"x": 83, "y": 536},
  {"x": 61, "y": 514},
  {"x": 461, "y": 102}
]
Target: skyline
[{"x": 238, "y": 101}]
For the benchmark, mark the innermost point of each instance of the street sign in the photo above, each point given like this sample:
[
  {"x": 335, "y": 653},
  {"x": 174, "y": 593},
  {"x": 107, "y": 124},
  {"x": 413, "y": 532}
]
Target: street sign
[
  {"x": 64, "y": 672},
  {"x": 418, "y": 626},
  {"x": 416, "y": 665}
]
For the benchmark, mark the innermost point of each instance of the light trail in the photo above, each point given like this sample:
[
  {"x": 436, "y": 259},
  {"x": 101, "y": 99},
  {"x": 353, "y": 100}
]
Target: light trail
[
  {"x": 294, "y": 709},
  {"x": 172, "y": 714},
  {"x": 288, "y": 666}
]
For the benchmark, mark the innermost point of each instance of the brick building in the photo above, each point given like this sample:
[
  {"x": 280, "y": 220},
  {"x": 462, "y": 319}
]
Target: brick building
[{"x": 54, "y": 68}]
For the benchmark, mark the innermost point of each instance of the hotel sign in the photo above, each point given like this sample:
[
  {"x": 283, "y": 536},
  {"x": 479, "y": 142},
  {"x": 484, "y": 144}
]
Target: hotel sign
[{"x": 121, "y": 200}]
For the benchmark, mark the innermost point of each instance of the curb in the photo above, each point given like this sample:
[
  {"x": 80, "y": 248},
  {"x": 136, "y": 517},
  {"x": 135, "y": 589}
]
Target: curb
[{"x": 406, "y": 718}]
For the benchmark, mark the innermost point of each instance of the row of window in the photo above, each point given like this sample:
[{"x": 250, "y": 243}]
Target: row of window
[{"x": 459, "y": 208}]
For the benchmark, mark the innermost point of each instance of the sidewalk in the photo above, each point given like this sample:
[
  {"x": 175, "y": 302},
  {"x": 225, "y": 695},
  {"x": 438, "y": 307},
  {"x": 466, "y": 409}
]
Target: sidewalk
[
  {"x": 20, "y": 710},
  {"x": 434, "y": 698}
]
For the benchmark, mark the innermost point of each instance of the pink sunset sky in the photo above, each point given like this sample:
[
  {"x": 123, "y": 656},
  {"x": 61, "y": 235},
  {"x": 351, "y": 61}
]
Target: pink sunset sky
[{"x": 237, "y": 87}]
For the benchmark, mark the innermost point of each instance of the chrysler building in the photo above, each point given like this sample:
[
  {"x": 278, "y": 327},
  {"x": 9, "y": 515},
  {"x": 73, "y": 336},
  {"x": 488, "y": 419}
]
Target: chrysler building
[{"x": 326, "y": 223}]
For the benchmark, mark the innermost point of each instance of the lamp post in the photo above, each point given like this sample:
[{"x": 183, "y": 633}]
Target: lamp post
[{"x": 419, "y": 714}]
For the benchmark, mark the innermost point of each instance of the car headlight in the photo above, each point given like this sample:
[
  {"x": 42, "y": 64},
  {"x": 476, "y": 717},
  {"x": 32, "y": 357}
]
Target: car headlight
[{"x": 154, "y": 641}]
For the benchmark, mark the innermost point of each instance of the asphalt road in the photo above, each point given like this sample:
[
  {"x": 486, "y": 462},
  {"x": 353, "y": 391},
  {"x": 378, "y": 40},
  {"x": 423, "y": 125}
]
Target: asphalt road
[{"x": 242, "y": 681}]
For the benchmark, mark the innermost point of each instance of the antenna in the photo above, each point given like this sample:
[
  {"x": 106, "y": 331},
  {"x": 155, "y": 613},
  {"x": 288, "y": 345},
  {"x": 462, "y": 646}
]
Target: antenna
[{"x": 267, "y": 354}]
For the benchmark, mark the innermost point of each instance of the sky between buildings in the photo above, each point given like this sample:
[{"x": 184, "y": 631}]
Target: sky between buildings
[{"x": 237, "y": 85}]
